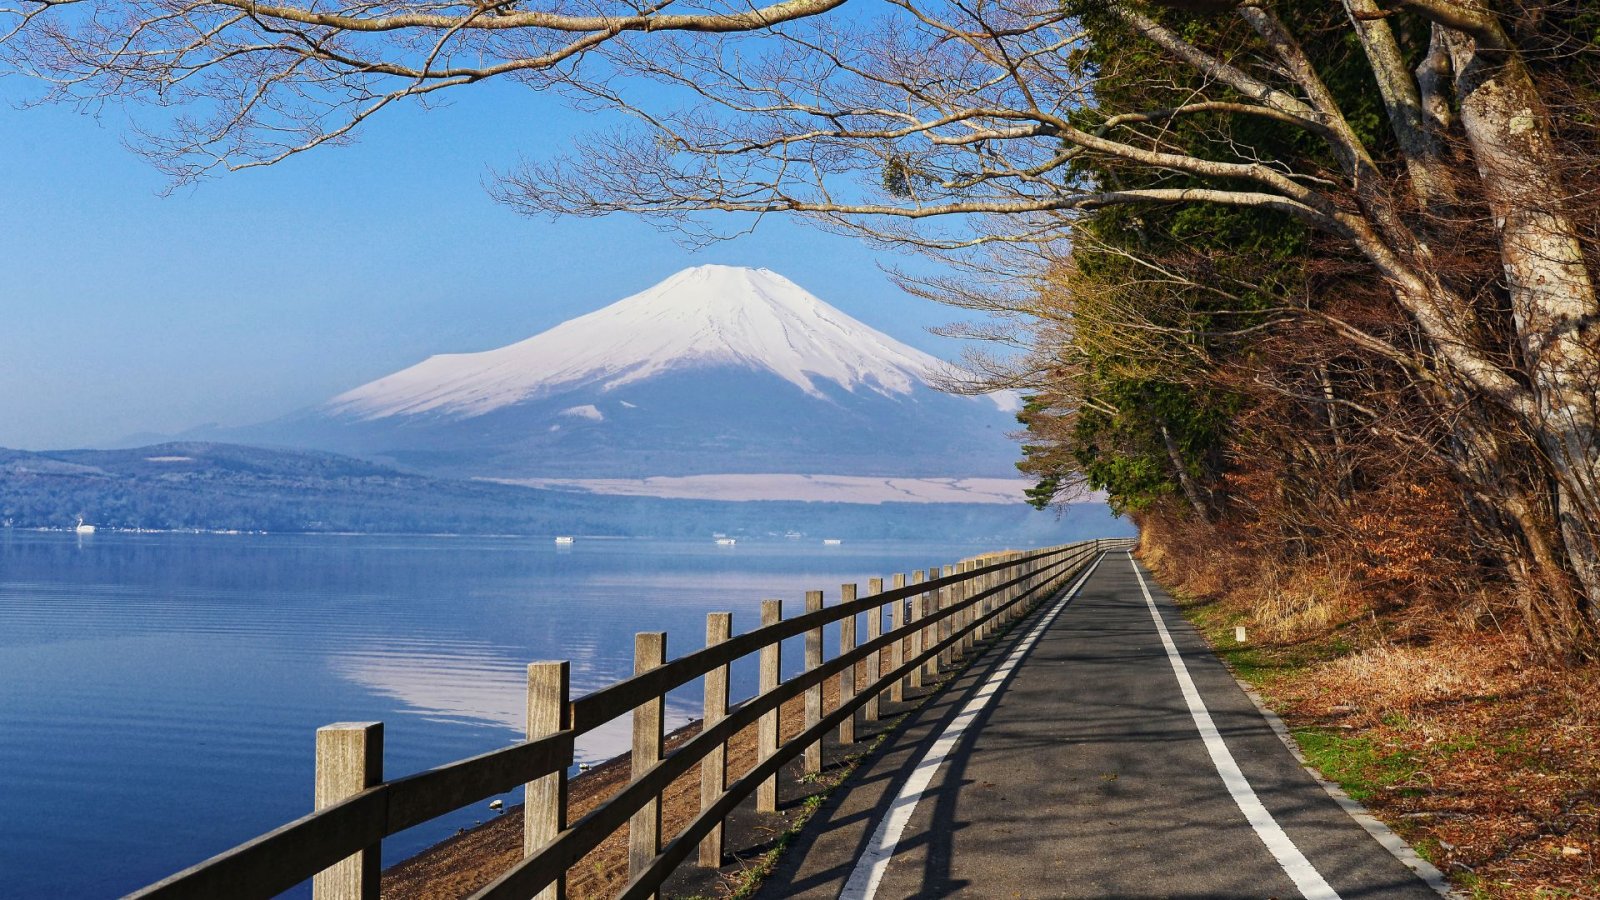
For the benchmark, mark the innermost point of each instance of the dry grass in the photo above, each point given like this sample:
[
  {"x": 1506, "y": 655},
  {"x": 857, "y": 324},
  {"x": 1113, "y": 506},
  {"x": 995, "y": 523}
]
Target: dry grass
[{"x": 1499, "y": 760}]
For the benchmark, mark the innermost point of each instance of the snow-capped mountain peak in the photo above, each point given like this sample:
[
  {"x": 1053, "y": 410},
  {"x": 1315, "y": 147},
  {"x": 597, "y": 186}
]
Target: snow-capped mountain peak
[{"x": 706, "y": 316}]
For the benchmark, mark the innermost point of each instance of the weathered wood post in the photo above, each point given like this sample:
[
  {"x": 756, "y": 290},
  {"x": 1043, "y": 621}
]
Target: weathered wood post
[
  {"x": 1013, "y": 572},
  {"x": 1020, "y": 592},
  {"x": 644, "y": 828},
  {"x": 946, "y": 626},
  {"x": 969, "y": 589},
  {"x": 869, "y": 710},
  {"x": 714, "y": 768},
  {"x": 994, "y": 600},
  {"x": 1003, "y": 601},
  {"x": 918, "y": 638},
  {"x": 963, "y": 619},
  {"x": 980, "y": 625},
  {"x": 997, "y": 601},
  {"x": 847, "y": 676},
  {"x": 813, "y": 701},
  {"x": 349, "y": 760},
  {"x": 897, "y": 647},
  {"x": 767, "y": 730},
  {"x": 1024, "y": 589},
  {"x": 544, "y": 799}
]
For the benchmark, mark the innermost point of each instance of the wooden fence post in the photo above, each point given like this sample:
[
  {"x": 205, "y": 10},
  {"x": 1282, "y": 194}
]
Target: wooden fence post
[
  {"x": 644, "y": 828},
  {"x": 544, "y": 799},
  {"x": 1020, "y": 592},
  {"x": 969, "y": 589},
  {"x": 963, "y": 619},
  {"x": 918, "y": 638},
  {"x": 813, "y": 701},
  {"x": 997, "y": 602},
  {"x": 981, "y": 629},
  {"x": 767, "y": 730},
  {"x": 993, "y": 601},
  {"x": 946, "y": 626},
  {"x": 975, "y": 611},
  {"x": 897, "y": 647},
  {"x": 869, "y": 710},
  {"x": 847, "y": 676},
  {"x": 714, "y": 767},
  {"x": 1024, "y": 589},
  {"x": 349, "y": 760},
  {"x": 1013, "y": 570}
]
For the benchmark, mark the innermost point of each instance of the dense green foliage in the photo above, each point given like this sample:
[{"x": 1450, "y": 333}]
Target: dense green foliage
[{"x": 1239, "y": 263}]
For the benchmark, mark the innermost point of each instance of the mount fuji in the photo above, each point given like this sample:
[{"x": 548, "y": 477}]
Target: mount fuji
[{"x": 716, "y": 371}]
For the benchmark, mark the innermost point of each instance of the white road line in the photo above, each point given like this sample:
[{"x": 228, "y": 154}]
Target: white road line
[
  {"x": 1294, "y": 863},
  {"x": 864, "y": 878}
]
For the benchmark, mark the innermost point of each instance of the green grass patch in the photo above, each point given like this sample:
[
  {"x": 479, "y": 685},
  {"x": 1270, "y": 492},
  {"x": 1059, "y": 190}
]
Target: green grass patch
[{"x": 1354, "y": 762}]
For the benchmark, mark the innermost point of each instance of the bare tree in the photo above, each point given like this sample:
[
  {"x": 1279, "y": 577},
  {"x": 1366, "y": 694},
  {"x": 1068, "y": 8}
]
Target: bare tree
[{"x": 251, "y": 84}]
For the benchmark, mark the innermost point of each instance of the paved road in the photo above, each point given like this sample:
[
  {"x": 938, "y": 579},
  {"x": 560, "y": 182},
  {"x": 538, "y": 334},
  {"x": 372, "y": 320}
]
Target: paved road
[{"x": 1087, "y": 775}]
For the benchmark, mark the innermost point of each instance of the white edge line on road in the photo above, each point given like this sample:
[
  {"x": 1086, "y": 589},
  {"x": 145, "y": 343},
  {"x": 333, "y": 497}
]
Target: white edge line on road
[
  {"x": 874, "y": 861},
  {"x": 1294, "y": 863}
]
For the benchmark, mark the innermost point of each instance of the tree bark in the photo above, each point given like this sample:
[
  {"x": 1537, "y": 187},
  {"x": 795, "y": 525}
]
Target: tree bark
[
  {"x": 1553, "y": 302},
  {"x": 1190, "y": 489}
]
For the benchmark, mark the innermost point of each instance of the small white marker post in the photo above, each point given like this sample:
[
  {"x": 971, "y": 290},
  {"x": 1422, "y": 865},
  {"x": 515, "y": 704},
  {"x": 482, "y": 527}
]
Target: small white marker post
[{"x": 1238, "y": 633}]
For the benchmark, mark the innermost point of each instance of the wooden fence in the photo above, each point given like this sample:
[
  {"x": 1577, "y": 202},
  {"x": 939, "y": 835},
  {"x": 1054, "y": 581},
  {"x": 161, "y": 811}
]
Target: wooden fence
[{"x": 935, "y": 618}]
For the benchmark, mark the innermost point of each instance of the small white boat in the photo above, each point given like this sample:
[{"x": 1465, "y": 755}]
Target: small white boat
[
  {"x": 726, "y": 542},
  {"x": 832, "y": 542},
  {"x": 793, "y": 535},
  {"x": 563, "y": 540},
  {"x": 82, "y": 528}
]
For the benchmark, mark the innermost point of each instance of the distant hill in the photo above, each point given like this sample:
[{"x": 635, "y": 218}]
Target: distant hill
[
  {"x": 716, "y": 370},
  {"x": 194, "y": 485}
]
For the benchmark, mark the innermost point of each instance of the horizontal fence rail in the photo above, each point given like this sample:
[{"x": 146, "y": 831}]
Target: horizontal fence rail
[{"x": 935, "y": 618}]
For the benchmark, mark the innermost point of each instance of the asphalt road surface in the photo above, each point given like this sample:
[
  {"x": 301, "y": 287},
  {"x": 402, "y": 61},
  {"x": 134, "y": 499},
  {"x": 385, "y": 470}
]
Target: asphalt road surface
[{"x": 1073, "y": 760}]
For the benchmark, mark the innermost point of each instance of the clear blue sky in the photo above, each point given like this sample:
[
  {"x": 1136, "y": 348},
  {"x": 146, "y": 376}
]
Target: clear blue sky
[{"x": 266, "y": 291}]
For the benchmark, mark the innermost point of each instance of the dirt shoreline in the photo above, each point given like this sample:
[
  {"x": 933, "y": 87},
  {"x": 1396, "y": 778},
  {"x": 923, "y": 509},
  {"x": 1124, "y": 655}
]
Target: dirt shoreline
[{"x": 466, "y": 862}]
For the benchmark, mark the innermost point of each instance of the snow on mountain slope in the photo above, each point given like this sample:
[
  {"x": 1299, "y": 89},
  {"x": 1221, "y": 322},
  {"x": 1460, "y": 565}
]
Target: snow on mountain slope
[{"x": 701, "y": 317}]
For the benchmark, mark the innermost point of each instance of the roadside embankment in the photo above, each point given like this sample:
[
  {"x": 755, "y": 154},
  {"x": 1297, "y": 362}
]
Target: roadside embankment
[{"x": 1485, "y": 761}]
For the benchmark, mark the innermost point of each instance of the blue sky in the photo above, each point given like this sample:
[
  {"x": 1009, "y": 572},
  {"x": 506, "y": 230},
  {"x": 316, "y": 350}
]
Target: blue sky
[{"x": 266, "y": 291}]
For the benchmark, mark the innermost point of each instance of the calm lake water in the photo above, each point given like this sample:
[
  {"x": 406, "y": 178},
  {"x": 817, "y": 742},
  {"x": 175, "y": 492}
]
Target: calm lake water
[{"x": 159, "y": 693}]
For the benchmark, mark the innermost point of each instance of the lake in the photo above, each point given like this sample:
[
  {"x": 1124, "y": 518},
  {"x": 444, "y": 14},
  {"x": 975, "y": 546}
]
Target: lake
[{"x": 159, "y": 692}]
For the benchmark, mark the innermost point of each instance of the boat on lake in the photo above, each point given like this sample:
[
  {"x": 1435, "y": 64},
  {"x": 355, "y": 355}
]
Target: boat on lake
[
  {"x": 832, "y": 542},
  {"x": 726, "y": 542},
  {"x": 563, "y": 540}
]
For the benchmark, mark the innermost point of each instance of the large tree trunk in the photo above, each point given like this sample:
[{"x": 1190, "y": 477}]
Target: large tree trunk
[
  {"x": 1553, "y": 301},
  {"x": 1519, "y": 520}
]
